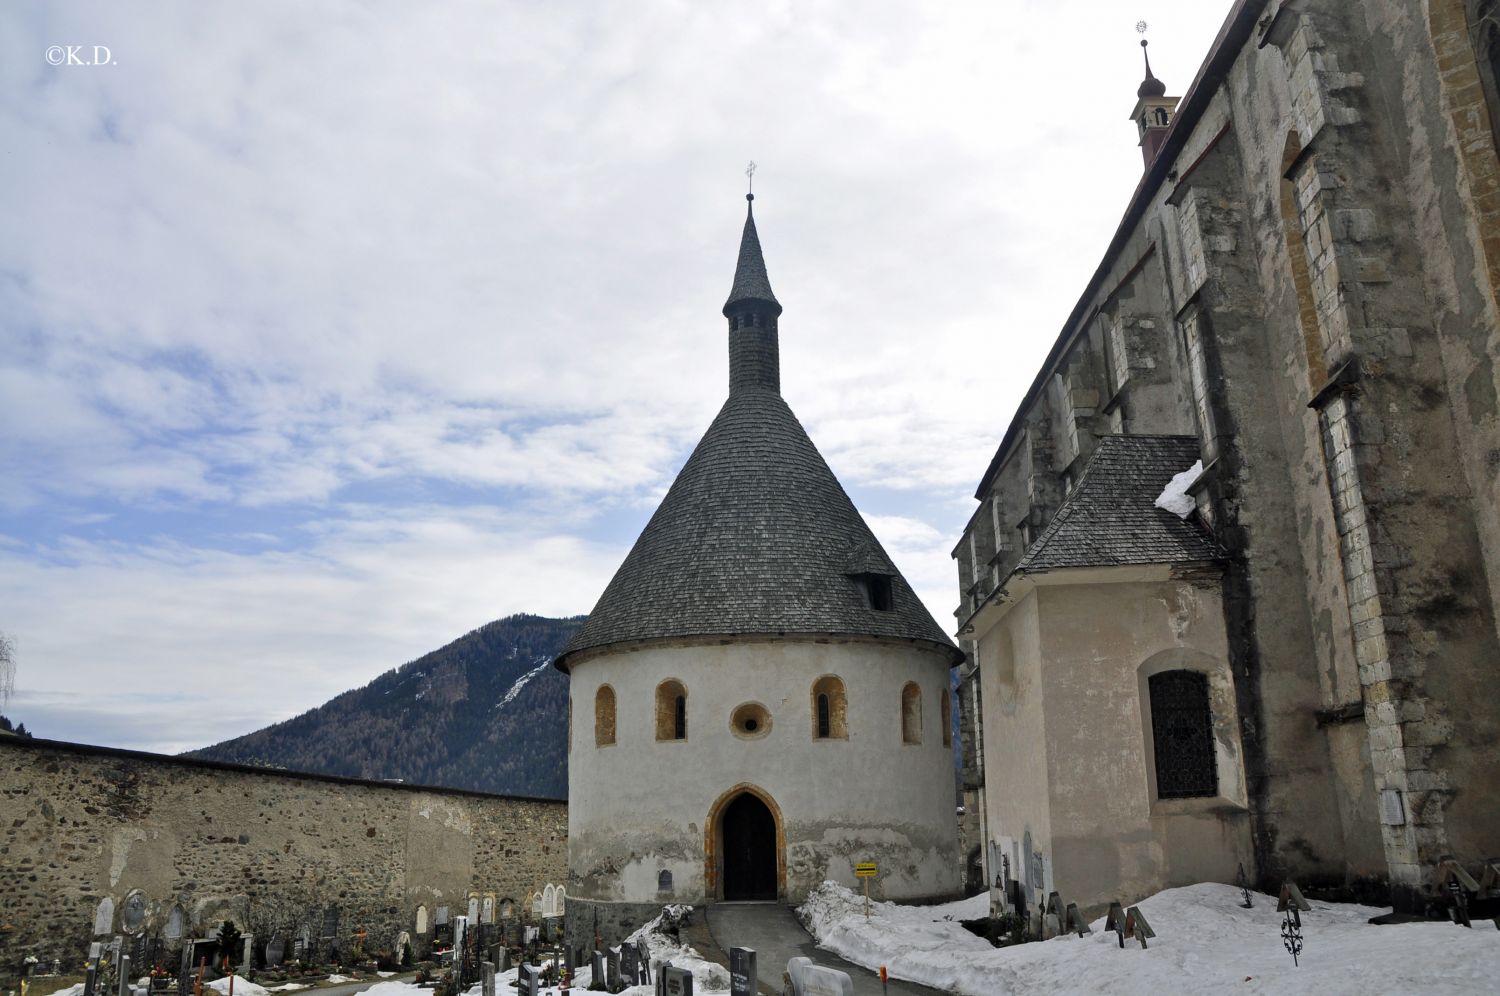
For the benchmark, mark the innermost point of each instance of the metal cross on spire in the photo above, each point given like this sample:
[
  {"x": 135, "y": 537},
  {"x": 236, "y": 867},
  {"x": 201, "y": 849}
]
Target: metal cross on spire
[{"x": 750, "y": 173}]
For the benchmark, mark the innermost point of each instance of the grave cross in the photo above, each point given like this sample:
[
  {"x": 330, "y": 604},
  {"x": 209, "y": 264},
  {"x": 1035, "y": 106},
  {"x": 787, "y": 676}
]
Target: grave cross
[
  {"x": 1293, "y": 905},
  {"x": 1116, "y": 921},
  {"x": 1244, "y": 884}
]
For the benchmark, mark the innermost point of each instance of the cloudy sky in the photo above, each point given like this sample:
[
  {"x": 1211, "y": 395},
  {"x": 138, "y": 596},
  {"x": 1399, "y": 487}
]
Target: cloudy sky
[{"x": 331, "y": 331}]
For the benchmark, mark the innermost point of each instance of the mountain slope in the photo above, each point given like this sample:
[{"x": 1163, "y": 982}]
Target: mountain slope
[{"x": 486, "y": 712}]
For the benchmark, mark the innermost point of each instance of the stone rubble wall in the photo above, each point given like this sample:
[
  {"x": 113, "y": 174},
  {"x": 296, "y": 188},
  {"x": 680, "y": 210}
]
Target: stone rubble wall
[{"x": 270, "y": 850}]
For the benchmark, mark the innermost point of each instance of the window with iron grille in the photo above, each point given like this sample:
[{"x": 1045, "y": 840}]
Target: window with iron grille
[{"x": 1182, "y": 733}]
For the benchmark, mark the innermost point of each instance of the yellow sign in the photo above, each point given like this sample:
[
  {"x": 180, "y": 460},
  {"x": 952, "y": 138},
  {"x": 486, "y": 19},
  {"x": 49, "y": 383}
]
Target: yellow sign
[{"x": 865, "y": 869}]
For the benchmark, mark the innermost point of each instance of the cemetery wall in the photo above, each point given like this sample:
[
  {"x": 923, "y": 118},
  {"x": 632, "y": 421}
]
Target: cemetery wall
[{"x": 85, "y": 826}]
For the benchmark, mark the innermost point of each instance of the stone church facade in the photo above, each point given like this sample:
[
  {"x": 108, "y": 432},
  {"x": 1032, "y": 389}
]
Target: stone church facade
[
  {"x": 759, "y": 701},
  {"x": 1297, "y": 314}
]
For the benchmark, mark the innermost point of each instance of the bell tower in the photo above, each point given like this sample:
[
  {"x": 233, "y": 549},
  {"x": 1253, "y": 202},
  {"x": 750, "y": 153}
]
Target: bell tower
[{"x": 1154, "y": 110}]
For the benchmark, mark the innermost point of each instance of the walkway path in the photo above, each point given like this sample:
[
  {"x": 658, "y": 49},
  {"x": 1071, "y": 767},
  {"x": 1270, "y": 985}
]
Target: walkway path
[{"x": 774, "y": 933}]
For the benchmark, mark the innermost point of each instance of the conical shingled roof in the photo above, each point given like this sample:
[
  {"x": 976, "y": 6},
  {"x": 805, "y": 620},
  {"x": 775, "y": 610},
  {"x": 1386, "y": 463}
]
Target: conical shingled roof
[
  {"x": 750, "y": 280},
  {"x": 754, "y": 537}
]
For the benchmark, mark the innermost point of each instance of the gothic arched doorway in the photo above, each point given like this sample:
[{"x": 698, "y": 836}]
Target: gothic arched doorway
[{"x": 746, "y": 848}]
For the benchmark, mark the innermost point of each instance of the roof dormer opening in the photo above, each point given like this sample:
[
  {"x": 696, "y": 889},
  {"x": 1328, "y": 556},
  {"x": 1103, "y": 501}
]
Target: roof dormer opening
[{"x": 877, "y": 590}]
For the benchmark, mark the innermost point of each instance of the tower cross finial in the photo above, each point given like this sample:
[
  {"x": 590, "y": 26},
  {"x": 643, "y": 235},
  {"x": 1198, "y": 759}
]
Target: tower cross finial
[{"x": 750, "y": 174}]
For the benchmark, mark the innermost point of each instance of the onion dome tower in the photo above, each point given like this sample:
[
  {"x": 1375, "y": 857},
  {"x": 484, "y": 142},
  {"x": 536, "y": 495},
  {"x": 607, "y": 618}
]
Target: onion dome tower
[
  {"x": 759, "y": 699},
  {"x": 1153, "y": 111}
]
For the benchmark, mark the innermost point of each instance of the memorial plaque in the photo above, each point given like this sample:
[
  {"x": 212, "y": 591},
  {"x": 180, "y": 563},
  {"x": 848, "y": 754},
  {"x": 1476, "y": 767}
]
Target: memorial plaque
[
  {"x": 421, "y": 920},
  {"x": 135, "y": 912},
  {"x": 742, "y": 972},
  {"x": 473, "y": 909},
  {"x": 330, "y": 923},
  {"x": 104, "y": 916},
  {"x": 441, "y": 917},
  {"x": 487, "y": 910},
  {"x": 176, "y": 924}
]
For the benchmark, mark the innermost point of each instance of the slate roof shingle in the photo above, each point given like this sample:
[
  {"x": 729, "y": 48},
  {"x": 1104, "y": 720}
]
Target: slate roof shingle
[
  {"x": 1110, "y": 517},
  {"x": 756, "y": 536}
]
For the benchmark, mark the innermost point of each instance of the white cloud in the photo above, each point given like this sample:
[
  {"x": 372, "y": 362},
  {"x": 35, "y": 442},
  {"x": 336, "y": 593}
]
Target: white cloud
[{"x": 279, "y": 258}]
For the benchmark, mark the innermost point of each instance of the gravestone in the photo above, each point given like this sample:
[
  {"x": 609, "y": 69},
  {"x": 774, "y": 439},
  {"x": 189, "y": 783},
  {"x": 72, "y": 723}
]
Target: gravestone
[
  {"x": 441, "y": 917},
  {"x": 91, "y": 976},
  {"x": 811, "y": 979},
  {"x": 330, "y": 923},
  {"x": 473, "y": 909},
  {"x": 487, "y": 978},
  {"x": 276, "y": 951},
  {"x": 421, "y": 920},
  {"x": 1051, "y": 926},
  {"x": 612, "y": 970},
  {"x": 134, "y": 914},
  {"x": 630, "y": 964},
  {"x": 742, "y": 972},
  {"x": 138, "y": 949},
  {"x": 674, "y": 981},
  {"x": 246, "y": 963},
  {"x": 644, "y": 954},
  {"x": 529, "y": 981},
  {"x": 123, "y": 974},
  {"x": 487, "y": 910},
  {"x": 104, "y": 916},
  {"x": 596, "y": 967}
]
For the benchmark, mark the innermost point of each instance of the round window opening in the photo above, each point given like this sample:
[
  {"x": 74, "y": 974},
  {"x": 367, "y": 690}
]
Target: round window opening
[{"x": 750, "y": 721}]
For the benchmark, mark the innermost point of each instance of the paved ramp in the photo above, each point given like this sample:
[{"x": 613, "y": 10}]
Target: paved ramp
[{"x": 775, "y": 934}]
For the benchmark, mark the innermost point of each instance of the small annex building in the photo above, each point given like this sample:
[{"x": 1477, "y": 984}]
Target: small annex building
[{"x": 759, "y": 700}]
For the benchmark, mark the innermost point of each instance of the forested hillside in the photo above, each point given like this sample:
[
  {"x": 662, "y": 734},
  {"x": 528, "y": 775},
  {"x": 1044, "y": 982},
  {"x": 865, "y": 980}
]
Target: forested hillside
[{"x": 486, "y": 712}]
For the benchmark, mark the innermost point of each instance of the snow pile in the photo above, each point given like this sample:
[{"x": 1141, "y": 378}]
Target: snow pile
[
  {"x": 397, "y": 989},
  {"x": 1205, "y": 942},
  {"x": 288, "y": 987},
  {"x": 708, "y": 977},
  {"x": 521, "y": 682},
  {"x": 242, "y": 986},
  {"x": 1174, "y": 497},
  {"x": 335, "y": 979},
  {"x": 76, "y": 989}
]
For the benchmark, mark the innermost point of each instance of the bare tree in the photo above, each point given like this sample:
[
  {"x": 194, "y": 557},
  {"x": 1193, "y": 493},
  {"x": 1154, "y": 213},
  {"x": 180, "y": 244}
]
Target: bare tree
[{"x": 7, "y": 668}]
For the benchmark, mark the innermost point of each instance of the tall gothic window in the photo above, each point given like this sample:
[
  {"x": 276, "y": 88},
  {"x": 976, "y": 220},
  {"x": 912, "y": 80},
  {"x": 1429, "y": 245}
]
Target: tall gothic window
[
  {"x": 1182, "y": 734},
  {"x": 1484, "y": 31},
  {"x": 604, "y": 716},
  {"x": 947, "y": 717},
  {"x": 671, "y": 710},
  {"x": 911, "y": 714},
  {"x": 828, "y": 708}
]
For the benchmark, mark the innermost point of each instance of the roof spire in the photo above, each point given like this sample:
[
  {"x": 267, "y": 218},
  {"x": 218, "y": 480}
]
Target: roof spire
[
  {"x": 752, "y": 310},
  {"x": 1150, "y": 86}
]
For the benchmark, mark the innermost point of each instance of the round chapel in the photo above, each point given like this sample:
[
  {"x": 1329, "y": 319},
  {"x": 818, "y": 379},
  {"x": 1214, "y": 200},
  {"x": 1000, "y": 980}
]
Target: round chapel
[{"x": 759, "y": 701}]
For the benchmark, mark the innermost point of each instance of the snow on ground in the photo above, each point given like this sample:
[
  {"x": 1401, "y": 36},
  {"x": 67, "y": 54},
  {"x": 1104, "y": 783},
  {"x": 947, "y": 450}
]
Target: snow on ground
[
  {"x": 335, "y": 979},
  {"x": 521, "y": 682},
  {"x": 76, "y": 989},
  {"x": 242, "y": 986},
  {"x": 288, "y": 987},
  {"x": 1205, "y": 942},
  {"x": 1175, "y": 498}
]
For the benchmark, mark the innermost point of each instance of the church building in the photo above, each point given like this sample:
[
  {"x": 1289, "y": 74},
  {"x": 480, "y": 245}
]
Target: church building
[
  {"x": 1230, "y": 594},
  {"x": 759, "y": 701}
]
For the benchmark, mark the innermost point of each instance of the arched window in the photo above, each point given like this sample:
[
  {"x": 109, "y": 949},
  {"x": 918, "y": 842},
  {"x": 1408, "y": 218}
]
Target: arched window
[
  {"x": 1182, "y": 735},
  {"x": 828, "y": 709},
  {"x": 911, "y": 714},
  {"x": 1484, "y": 32},
  {"x": 604, "y": 716},
  {"x": 671, "y": 710},
  {"x": 947, "y": 717}
]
